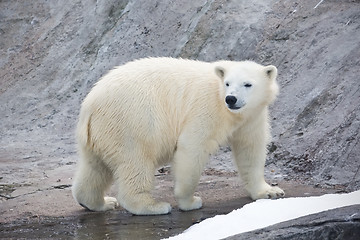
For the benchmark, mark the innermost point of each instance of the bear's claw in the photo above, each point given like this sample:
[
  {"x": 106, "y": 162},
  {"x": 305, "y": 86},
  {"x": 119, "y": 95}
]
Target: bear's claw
[
  {"x": 268, "y": 192},
  {"x": 110, "y": 203},
  {"x": 186, "y": 205},
  {"x": 275, "y": 192}
]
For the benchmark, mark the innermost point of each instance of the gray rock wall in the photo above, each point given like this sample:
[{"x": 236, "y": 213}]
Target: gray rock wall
[{"x": 52, "y": 52}]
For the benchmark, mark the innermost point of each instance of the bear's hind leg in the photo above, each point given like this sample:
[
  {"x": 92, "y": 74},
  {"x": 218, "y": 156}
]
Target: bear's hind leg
[
  {"x": 189, "y": 161},
  {"x": 135, "y": 183},
  {"x": 92, "y": 179}
]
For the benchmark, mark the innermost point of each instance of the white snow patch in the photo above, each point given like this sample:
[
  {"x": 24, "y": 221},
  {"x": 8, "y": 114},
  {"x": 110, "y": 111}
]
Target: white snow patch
[{"x": 264, "y": 213}]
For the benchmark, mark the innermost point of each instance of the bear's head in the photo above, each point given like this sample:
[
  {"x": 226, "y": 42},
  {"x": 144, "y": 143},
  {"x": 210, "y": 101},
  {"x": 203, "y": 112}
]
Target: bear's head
[{"x": 247, "y": 85}]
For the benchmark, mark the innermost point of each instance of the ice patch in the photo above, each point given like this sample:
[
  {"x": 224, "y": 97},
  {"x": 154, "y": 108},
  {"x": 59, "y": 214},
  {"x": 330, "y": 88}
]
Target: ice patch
[{"x": 264, "y": 213}]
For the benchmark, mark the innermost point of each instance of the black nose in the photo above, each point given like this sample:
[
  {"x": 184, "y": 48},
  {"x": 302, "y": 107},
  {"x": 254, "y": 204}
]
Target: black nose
[{"x": 231, "y": 100}]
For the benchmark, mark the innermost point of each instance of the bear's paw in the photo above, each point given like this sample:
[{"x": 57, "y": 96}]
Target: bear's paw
[
  {"x": 267, "y": 192},
  {"x": 192, "y": 204},
  {"x": 160, "y": 208},
  {"x": 157, "y": 208},
  {"x": 110, "y": 203}
]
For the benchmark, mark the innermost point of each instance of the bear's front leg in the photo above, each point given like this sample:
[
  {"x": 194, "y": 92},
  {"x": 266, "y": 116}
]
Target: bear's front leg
[
  {"x": 250, "y": 153},
  {"x": 187, "y": 167},
  {"x": 251, "y": 169}
]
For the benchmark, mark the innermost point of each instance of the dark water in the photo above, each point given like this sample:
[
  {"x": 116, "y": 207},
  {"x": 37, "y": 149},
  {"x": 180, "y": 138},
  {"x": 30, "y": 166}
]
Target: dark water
[{"x": 117, "y": 224}]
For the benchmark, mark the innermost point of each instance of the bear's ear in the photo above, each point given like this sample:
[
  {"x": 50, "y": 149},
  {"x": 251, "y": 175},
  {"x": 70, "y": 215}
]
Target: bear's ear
[
  {"x": 220, "y": 71},
  {"x": 271, "y": 72}
]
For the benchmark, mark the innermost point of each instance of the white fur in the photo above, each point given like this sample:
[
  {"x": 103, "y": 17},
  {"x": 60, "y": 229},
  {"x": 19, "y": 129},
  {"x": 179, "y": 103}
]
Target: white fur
[{"x": 154, "y": 111}]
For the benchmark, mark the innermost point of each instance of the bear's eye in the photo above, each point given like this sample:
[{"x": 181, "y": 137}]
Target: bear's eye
[
  {"x": 247, "y": 85},
  {"x": 227, "y": 84}
]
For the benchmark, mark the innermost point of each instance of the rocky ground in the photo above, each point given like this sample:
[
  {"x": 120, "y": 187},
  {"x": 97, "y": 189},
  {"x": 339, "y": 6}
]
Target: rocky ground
[{"x": 51, "y": 53}]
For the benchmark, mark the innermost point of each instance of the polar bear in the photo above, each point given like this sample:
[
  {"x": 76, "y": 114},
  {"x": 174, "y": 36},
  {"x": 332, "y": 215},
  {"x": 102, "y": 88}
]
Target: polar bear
[{"x": 153, "y": 111}]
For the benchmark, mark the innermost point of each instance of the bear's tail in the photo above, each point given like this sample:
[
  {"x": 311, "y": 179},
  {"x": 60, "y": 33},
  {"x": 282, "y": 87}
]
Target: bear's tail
[{"x": 83, "y": 133}]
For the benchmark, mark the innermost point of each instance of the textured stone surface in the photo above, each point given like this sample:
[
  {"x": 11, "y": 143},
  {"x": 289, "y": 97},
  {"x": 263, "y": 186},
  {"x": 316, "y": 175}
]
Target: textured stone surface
[
  {"x": 52, "y": 53},
  {"x": 341, "y": 223}
]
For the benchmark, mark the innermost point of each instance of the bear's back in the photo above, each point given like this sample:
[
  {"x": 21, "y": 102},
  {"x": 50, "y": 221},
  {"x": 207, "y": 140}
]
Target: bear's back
[
  {"x": 166, "y": 84},
  {"x": 150, "y": 100}
]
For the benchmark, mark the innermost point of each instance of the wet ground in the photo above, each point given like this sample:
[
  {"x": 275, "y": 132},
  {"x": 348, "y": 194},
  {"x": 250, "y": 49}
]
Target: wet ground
[{"x": 52, "y": 213}]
